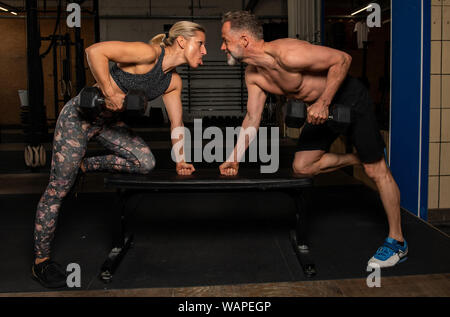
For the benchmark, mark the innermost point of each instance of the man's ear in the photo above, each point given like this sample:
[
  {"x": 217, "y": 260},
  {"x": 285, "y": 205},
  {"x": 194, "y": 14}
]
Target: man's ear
[
  {"x": 244, "y": 40},
  {"x": 181, "y": 41}
]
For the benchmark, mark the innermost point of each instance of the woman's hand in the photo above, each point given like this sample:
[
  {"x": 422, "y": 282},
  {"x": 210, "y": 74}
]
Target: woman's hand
[
  {"x": 184, "y": 168},
  {"x": 114, "y": 102}
]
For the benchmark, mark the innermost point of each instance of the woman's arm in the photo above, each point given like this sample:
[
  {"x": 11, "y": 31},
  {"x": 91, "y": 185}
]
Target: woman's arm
[
  {"x": 174, "y": 107},
  {"x": 99, "y": 55}
]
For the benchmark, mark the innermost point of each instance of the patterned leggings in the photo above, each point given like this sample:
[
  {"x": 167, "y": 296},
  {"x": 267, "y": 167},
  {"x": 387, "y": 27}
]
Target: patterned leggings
[{"x": 71, "y": 137}]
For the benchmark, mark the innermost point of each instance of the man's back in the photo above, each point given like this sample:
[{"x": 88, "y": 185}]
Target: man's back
[{"x": 280, "y": 70}]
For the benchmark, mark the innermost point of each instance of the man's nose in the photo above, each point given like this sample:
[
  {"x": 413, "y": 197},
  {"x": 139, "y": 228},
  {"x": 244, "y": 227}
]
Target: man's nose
[{"x": 223, "y": 47}]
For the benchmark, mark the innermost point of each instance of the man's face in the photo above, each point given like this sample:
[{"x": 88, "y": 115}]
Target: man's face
[{"x": 231, "y": 45}]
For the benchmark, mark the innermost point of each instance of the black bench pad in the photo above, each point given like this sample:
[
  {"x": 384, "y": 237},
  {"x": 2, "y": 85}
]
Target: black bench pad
[{"x": 209, "y": 179}]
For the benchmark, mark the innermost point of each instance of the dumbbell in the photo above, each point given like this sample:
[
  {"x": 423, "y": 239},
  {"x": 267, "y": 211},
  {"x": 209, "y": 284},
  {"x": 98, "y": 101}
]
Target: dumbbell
[
  {"x": 296, "y": 114},
  {"x": 93, "y": 102}
]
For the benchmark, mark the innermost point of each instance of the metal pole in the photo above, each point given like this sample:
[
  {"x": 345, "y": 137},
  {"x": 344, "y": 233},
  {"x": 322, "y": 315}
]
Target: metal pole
[
  {"x": 35, "y": 80},
  {"x": 55, "y": 79},
  {"x": 96, "y": 22},
  {"x": 79, "y": 61}
]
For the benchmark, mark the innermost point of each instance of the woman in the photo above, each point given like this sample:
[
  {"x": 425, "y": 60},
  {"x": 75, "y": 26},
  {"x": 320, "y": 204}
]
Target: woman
[{"x": 138, "y": 65}]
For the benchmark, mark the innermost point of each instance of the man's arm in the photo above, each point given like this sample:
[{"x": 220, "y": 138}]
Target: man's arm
[
  {"x": 250, "y": 125},
  {"x": 305, "y": 57}
]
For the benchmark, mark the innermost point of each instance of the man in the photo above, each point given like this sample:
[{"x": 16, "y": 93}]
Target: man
[{"x": 316, "y": 75}]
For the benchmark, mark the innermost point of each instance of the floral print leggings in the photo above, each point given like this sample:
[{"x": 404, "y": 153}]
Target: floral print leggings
[{"x": 71, "y": 137}]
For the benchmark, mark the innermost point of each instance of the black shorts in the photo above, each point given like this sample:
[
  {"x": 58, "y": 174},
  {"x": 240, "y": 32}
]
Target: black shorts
[{"x": 364, "y": 131}]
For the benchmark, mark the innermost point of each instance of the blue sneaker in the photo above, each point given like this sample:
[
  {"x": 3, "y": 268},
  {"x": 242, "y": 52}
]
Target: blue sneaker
[{"x": 389, "y": 254}]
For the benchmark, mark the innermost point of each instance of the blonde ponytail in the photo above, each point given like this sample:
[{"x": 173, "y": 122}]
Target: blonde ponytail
[
  {"x": 158, "y": 39},
  {"x": 185, "y": 29}
]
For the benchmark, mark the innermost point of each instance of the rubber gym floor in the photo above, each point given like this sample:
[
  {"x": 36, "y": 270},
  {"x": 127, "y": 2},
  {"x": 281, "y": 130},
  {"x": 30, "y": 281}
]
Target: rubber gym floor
[{"x": 228, "y": 244}]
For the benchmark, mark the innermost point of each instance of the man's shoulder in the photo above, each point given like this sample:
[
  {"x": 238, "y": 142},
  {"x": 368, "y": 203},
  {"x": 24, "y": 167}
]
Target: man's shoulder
[
  {"x": 278, "y": 46},
  {"x": 252, "y": 74}
]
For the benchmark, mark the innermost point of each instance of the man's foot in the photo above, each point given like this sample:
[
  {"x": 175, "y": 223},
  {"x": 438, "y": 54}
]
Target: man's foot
[
  {"x": 49, "y": 273},
  {"x": 389, "y": 254}
]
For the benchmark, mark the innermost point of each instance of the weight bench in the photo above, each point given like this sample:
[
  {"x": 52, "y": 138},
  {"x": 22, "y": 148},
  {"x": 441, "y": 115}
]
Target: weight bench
[{"x": 206, "y": 180}]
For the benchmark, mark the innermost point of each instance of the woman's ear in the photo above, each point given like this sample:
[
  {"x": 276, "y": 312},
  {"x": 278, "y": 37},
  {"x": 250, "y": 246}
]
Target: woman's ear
[{"x": 181, "y": 41}]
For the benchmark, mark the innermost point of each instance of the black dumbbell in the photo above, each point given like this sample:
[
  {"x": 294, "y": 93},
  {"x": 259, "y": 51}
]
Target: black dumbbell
[
  {"x": 135, "y": 100},
  {"x": 296, "y": 114},
  {"x": 93, "y": 102}
]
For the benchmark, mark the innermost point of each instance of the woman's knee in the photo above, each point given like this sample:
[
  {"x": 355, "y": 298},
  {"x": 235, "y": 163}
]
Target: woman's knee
[{"x": 147, "y": 163}]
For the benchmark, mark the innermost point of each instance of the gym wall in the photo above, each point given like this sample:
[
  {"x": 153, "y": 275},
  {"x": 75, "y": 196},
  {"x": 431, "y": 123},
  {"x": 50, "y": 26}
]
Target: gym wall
[
  {"x": 13, "y": 61},
  {"x": 439, "y": 159},
  {"x": 113, "y": 26}
]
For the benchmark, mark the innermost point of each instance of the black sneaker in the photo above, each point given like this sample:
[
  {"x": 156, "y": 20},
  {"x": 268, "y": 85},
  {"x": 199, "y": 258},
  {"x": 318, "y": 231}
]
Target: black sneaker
[{"x": 49, "y": 273}]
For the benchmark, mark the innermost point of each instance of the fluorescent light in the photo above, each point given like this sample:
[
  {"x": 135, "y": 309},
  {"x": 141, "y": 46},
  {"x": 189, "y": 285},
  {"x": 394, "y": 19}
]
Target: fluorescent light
[
  {"x": 363, "y": 9},
  {"x": 12, "y": 12},
  {"x": 1, "y": 8}
]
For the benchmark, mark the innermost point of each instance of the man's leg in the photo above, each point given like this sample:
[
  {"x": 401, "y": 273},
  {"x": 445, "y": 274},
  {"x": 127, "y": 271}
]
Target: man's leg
[
  {"x": 389, "y": 194},
  {"x": 394, "y": 249},
  {"x": 317, "y": 161}
]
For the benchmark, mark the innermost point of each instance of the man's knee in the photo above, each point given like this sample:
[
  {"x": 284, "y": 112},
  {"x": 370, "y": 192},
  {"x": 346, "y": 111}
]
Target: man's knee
[
  {"x": 376, "y": 170},
  {"x": 305, "y": 165}
]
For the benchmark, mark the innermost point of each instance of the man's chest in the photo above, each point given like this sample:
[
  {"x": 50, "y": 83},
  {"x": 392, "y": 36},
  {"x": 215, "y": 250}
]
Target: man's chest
[{"x": 279, "y": 82}]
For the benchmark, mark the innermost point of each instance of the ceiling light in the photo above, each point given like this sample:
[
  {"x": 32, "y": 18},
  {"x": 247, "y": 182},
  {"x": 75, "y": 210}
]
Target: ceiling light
[{"x": 363, "y": 9}]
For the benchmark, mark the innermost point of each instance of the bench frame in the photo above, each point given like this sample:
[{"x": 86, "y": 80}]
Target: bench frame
[{"x": 123, "y": 240}]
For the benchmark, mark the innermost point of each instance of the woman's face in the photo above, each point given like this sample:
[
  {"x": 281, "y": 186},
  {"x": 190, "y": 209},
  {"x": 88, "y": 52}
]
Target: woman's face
[{"x": 195, "y": 49}]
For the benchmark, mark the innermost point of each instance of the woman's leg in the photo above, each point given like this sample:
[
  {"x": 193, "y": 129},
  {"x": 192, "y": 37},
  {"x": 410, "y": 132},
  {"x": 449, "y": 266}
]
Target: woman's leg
[
  {"x": 69, "y": 146},
  {"x": 132, "y": 153}
]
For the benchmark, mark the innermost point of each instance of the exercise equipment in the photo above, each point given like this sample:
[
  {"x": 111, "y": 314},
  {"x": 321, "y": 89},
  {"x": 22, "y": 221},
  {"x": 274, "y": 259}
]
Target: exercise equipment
[
  {"x": 92, "y": 101},
  {"x": 206, "y": 180},
  {"x": 296, "y": 114}
]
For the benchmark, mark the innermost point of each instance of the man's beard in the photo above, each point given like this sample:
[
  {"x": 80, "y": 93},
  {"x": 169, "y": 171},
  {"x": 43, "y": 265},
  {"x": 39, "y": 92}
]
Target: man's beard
[{"x": 233, "y": 60}]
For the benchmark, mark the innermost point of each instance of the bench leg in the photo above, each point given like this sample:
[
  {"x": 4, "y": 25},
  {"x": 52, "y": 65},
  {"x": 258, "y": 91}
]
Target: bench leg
[
  {"x": 122, "y": 241},
  {"x": 298, "y": 236}
]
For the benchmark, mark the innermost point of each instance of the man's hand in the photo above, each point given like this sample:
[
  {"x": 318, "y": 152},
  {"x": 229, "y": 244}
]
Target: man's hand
[
  {"x": 229, "y": 168},
  {"x": 317, "y": 113},
  {"x": 184, "y": 168}
]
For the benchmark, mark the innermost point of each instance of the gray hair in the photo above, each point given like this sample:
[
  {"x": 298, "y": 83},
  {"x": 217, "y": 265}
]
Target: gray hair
[{"x": 244, "y": 20}]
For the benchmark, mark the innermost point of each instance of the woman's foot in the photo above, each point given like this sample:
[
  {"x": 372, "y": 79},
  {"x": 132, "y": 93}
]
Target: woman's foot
[{"x": 49, "y": 274}]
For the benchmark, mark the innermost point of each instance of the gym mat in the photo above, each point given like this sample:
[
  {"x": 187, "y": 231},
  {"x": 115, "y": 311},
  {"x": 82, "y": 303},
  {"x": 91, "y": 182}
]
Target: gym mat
[{"x": 199, "y": 239}]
